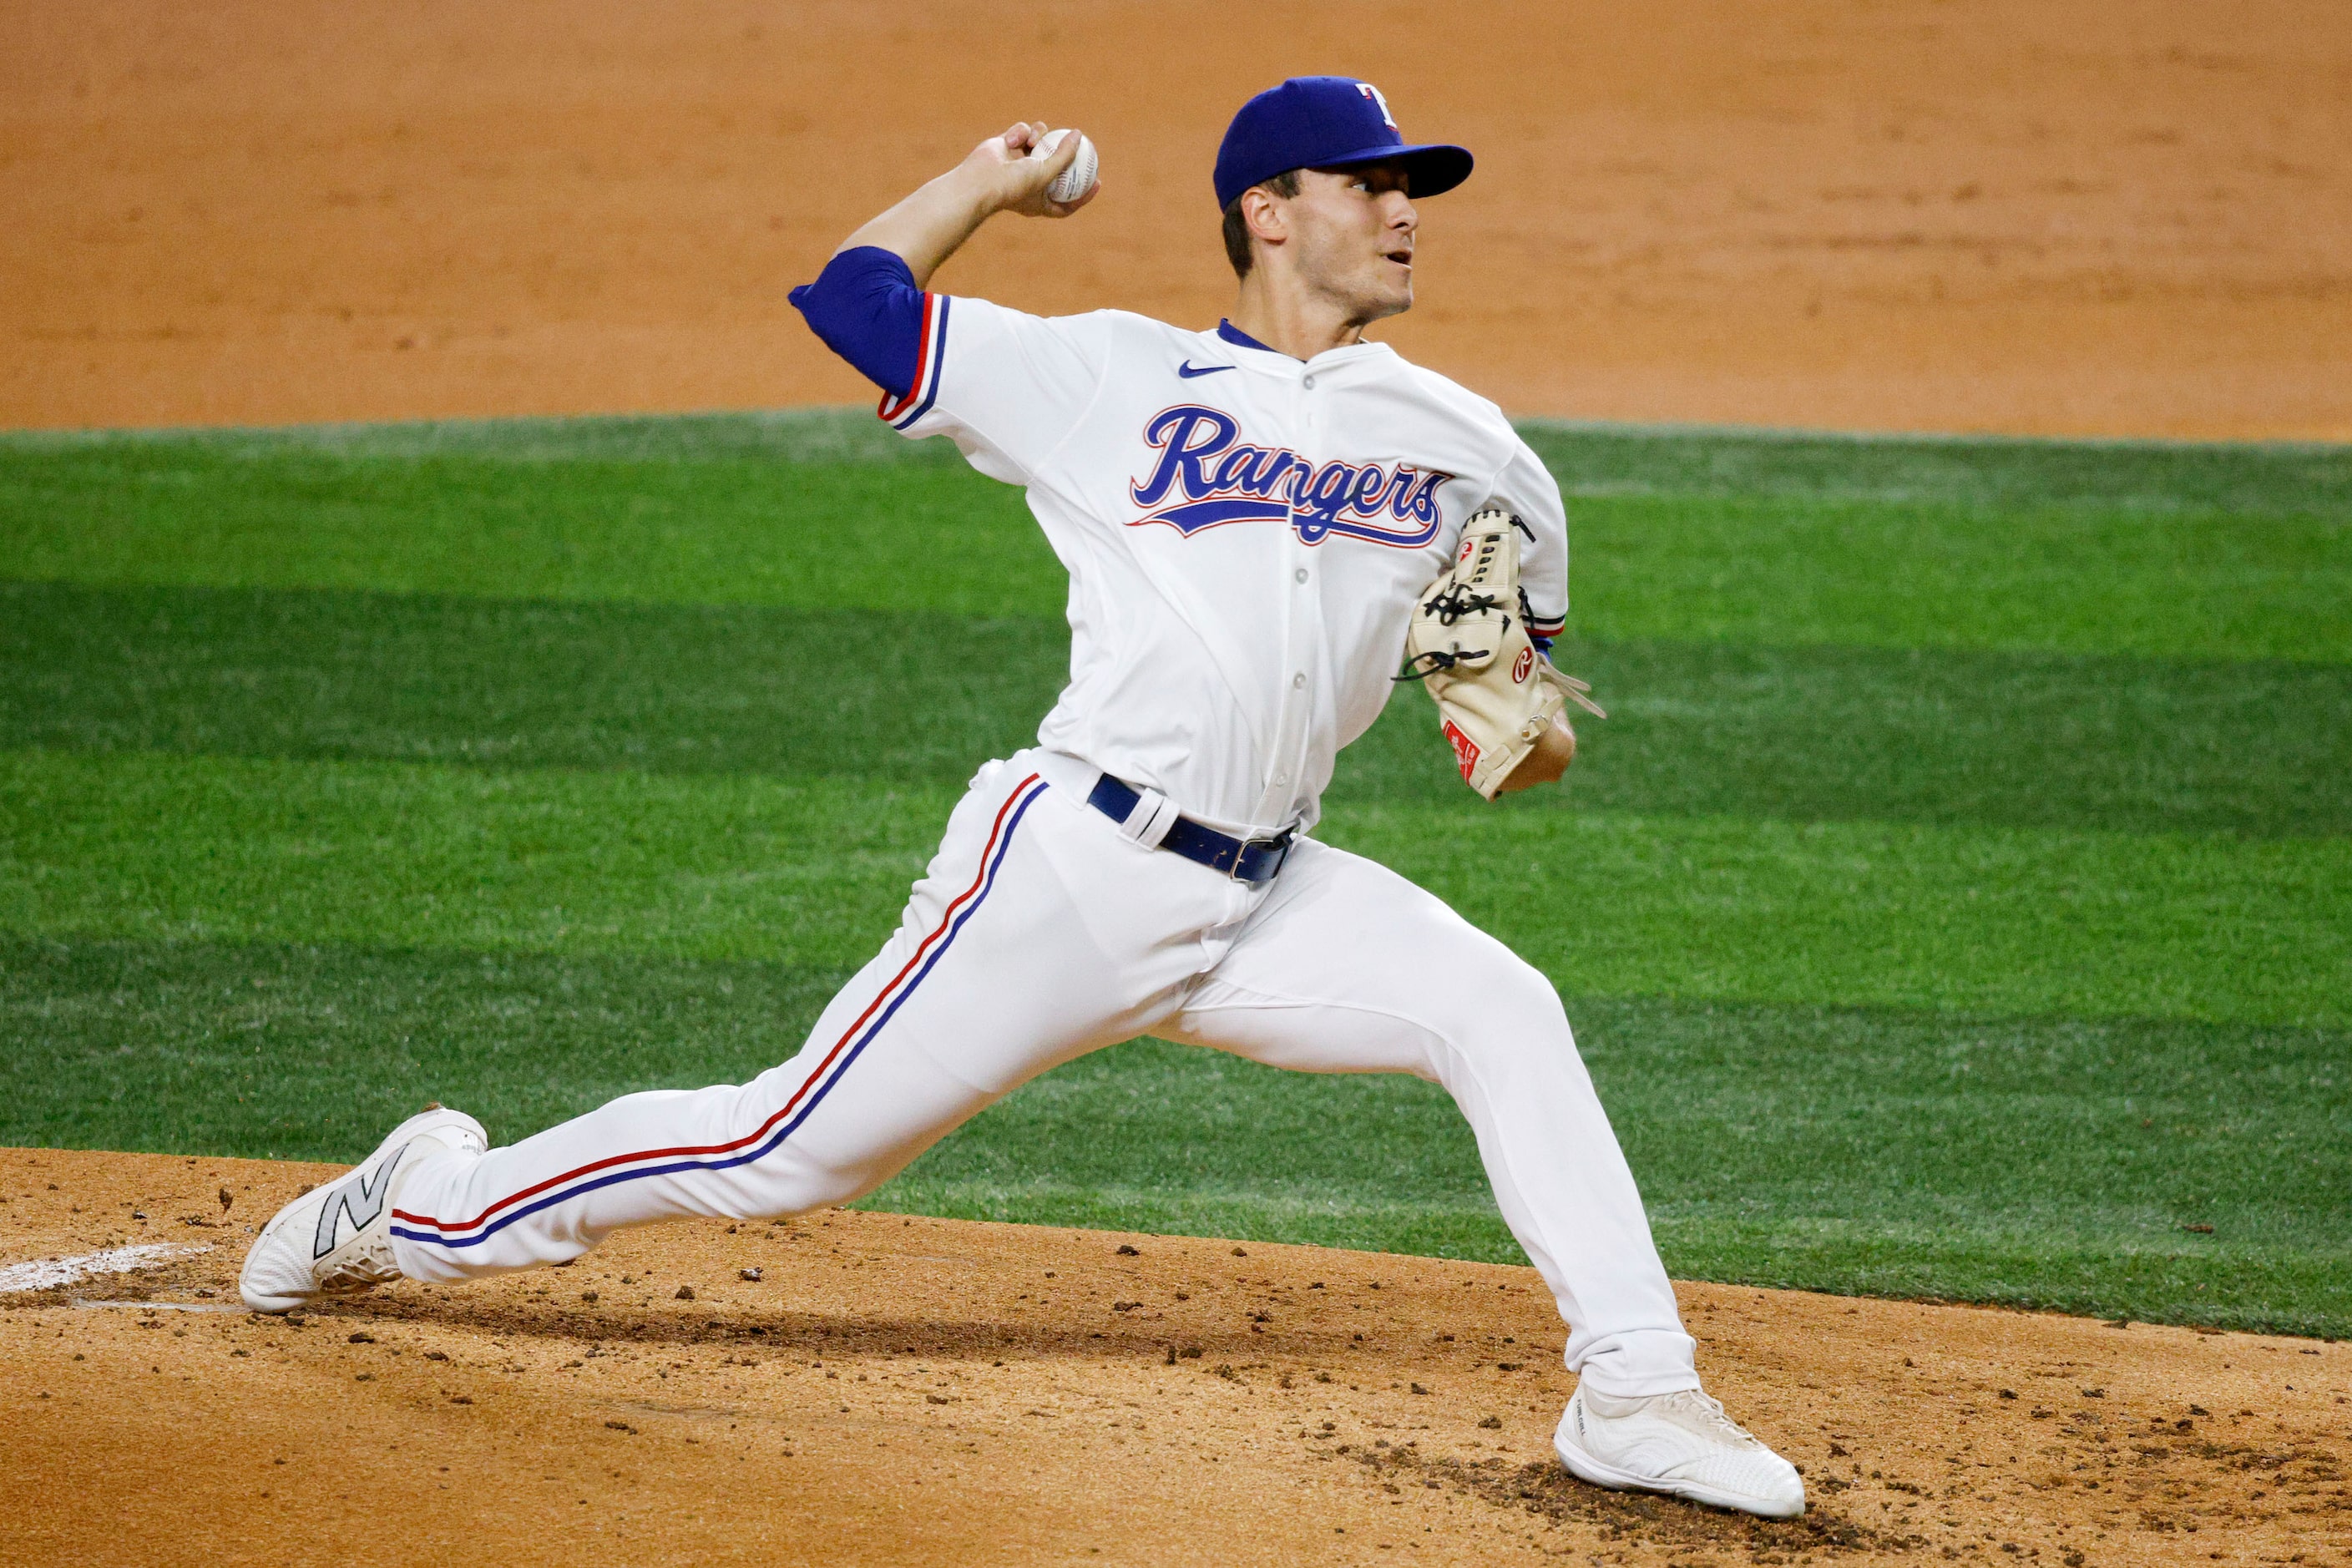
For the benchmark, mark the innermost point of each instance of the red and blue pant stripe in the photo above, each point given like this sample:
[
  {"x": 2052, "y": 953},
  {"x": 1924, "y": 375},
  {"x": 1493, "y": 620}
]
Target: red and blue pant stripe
[{"x": 779, "y": 1124}]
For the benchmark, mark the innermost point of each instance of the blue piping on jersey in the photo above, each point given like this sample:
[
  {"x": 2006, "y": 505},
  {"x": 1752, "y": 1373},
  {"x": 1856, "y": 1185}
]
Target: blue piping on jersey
[{"x": 866, "y": 308}]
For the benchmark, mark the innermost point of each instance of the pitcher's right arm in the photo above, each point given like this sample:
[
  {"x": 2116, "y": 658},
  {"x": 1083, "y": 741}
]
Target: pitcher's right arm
[
  {"x": 868, "y": 304},
  {"x": 1003, "y": 385}
]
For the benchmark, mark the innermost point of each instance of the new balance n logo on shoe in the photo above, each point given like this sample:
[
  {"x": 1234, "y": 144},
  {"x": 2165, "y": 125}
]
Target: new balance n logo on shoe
[{"x": 357, "y": 1201}]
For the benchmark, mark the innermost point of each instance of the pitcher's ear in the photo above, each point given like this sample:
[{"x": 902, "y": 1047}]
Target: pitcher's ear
[{"x": 1266, "y": 217}]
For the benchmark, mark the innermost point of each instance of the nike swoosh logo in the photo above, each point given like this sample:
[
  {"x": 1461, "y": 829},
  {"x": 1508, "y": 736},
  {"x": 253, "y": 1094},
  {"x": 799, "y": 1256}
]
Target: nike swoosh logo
[{"x": 1188, "y": 370}]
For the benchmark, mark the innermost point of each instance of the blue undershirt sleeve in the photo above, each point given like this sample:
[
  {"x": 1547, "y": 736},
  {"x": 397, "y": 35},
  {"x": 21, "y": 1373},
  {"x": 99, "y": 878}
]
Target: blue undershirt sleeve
[{"x": 866, "y": 308}]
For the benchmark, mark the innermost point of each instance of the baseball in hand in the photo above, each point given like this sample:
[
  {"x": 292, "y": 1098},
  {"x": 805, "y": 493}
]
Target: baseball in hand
[{"x": 1077, "y": 179}]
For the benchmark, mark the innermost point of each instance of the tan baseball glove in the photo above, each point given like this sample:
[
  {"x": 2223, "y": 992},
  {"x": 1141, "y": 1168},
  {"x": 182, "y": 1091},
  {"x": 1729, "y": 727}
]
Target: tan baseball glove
[{"x": 1499, "y": 699}]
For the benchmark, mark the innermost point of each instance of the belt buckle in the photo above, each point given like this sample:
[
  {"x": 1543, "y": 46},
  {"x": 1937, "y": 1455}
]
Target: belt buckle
[{"x": 1281, "y": 843}]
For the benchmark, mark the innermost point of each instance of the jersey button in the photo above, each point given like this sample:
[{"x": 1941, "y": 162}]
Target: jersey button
[
  {"x": 1281, "y": 778},
  {"x": 1298, "y": 681},
  {"x": 1300, "y": 574},
  {"x": 1309, "y": 384}
]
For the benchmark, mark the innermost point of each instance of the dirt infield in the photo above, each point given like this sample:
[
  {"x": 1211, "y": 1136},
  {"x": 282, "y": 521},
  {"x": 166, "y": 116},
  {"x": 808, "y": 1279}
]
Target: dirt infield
[
  {"x": 920, "y": 1391},
  {"x": 2124, "y": 217}
]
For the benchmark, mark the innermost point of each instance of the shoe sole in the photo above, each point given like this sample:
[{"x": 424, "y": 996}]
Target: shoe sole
[
  {"x": 412, "y": 1128},
  {"x": 1585, "y": 1467}
]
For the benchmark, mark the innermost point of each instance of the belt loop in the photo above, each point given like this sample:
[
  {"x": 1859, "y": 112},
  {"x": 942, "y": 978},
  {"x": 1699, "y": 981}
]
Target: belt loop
[{"x": 1148, "y": 823}]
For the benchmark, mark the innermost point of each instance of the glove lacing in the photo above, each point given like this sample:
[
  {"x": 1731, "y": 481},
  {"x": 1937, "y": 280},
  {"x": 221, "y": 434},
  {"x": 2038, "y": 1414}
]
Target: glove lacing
[{"x": 1453, "y": 603}]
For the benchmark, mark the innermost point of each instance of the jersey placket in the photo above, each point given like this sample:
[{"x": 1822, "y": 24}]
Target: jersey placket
[{"x": 1302, "y": 639}]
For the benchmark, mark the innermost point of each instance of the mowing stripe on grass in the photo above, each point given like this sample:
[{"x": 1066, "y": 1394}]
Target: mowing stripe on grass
[
  {"x": 2203, "y": 552},
  {"x": 1953, "y": 736},
  {"x": 2199, "y": 586},
  {"x": 307, "y": 1052},
  {"x": 683, "y": 688},
  {"x": 1889, "y": 914},
  {"x": 1819, "y": 734},
  {"x": 1984, "y": 473},
  {"x": 2042, "y": 1161},
  {"x": 813, "y": 872},
  {"x": 908, "y": 538}
]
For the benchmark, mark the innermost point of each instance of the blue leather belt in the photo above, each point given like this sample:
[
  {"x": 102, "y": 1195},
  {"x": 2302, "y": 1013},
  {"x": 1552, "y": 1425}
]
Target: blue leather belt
[{"x": 1251, "y": 860}]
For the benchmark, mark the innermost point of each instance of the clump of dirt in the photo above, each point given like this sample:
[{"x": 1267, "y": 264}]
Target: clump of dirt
[{"x": 853, "y": 1388}]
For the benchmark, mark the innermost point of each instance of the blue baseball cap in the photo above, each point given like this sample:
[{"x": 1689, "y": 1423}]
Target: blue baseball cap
[{"x": 1326, "y": 122}]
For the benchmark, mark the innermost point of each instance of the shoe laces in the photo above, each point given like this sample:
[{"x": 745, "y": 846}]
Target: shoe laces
[{"x": 1696, "y": 1411}]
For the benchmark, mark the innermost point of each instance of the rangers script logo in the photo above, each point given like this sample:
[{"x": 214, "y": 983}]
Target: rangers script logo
[{"x": 1214, "y": 479}]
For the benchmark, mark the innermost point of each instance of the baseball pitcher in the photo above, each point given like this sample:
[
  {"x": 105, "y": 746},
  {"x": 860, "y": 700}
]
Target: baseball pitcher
[{"x": 1266, "y": 526}]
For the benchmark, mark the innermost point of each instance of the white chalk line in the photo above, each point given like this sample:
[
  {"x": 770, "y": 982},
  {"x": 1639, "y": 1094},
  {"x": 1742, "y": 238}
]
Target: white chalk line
[{"x": 48, "y": 1274}]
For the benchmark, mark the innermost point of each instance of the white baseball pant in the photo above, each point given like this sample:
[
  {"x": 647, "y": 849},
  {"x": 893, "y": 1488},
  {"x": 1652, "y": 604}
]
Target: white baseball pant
[{"x": 1040, "y": 932}]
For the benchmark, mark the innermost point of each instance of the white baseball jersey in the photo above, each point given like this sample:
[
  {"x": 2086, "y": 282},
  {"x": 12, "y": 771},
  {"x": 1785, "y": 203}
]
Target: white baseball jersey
[{"x": 1245, "y": 533}]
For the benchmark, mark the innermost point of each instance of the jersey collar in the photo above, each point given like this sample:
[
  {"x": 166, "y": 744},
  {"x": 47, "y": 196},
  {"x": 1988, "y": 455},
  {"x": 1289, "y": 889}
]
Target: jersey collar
[
  {"x": 1230, "y": 333},
  {"x": 1233, "y": 334}
]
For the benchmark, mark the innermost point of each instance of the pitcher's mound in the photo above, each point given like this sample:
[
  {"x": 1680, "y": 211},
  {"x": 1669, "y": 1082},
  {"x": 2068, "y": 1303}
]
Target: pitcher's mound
[{"x": 852, "y": 1388}]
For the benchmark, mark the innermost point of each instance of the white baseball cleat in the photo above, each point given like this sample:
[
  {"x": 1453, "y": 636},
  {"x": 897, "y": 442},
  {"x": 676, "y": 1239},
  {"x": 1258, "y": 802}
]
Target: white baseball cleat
[
  {"x": 335, "y": 1239},
  {"x": 1681, "y": 1443}
]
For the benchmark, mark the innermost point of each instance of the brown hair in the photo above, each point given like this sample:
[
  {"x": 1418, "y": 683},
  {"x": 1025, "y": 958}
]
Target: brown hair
[{"x": 1237, "y": 235}]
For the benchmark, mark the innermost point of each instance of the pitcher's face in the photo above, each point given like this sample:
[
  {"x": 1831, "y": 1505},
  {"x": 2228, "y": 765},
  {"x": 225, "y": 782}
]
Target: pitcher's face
[{"x": 1351, "y": 234}]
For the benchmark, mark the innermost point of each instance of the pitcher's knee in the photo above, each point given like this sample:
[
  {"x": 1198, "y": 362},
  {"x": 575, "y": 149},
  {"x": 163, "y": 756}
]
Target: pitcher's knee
[
  {"x": 1502, "y": 997},
  {"x": 785, "y": 1183},
  {"x": 817, "y": 1188}
]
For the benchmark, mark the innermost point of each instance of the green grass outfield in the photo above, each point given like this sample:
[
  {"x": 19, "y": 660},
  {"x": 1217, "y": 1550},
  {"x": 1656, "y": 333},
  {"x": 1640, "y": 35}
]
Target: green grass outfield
[{"x": 1959, "y": 902}]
